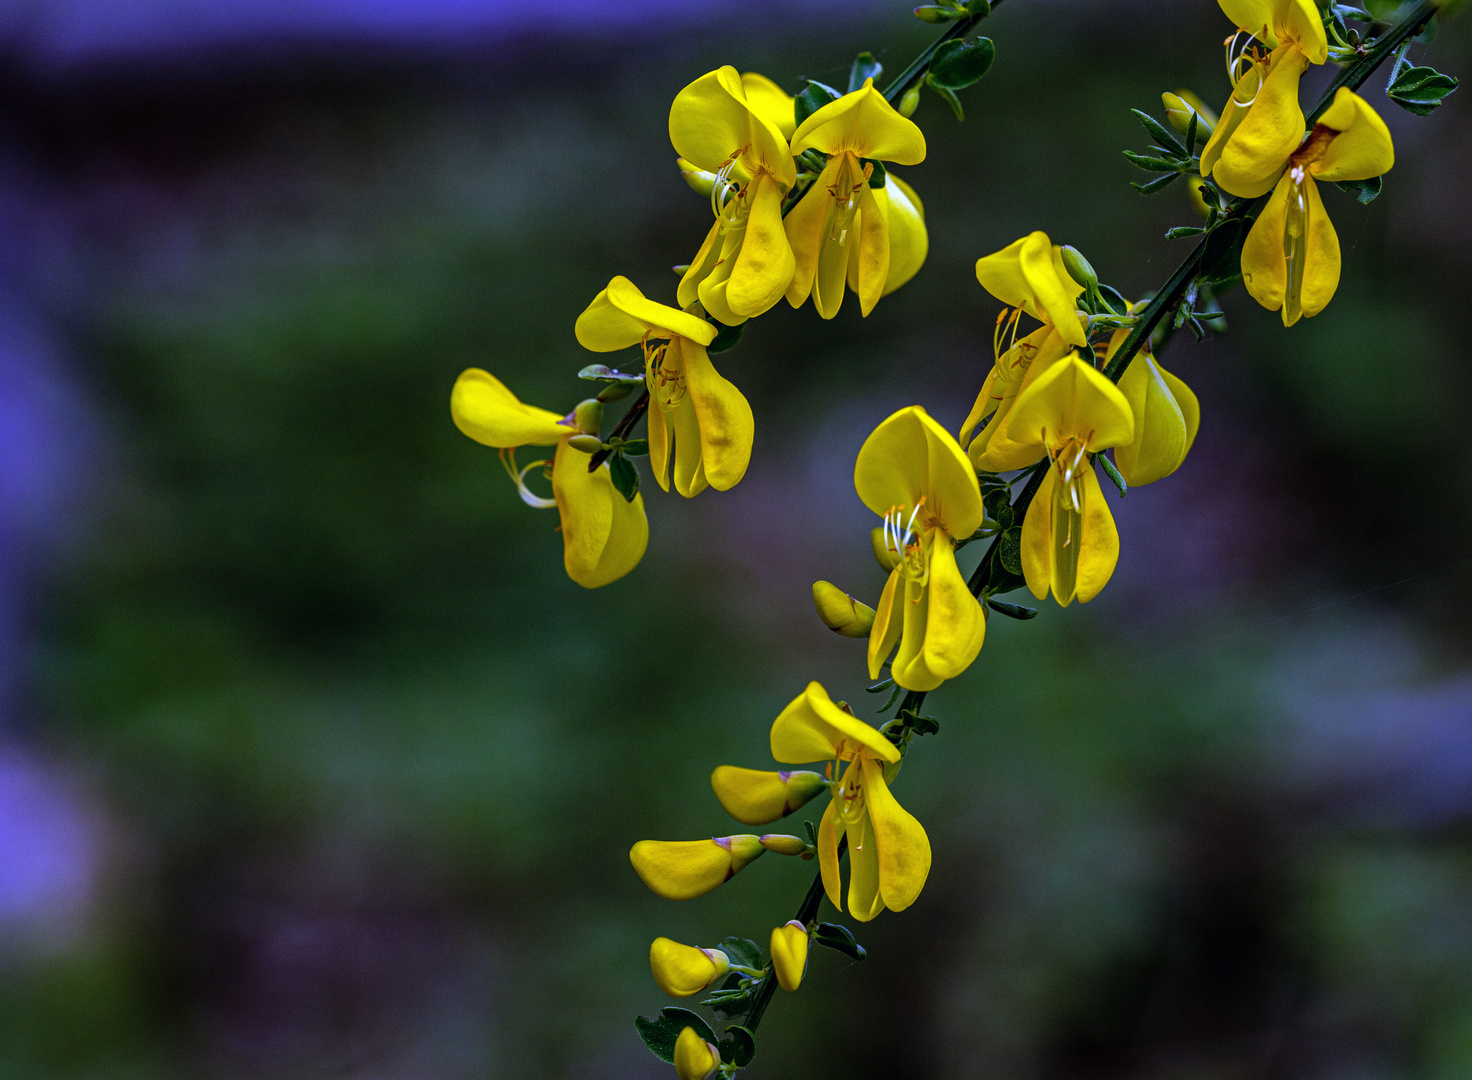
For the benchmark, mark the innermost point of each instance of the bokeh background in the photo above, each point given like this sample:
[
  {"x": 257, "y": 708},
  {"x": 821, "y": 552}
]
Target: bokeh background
[{"x": 312, "y": 761}]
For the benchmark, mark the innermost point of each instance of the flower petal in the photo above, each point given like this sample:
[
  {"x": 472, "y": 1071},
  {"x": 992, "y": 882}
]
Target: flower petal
[
  {"x": 804, "y": 226},
  {"x": 1264, "y": 268},
  {"x": 1363, "y": 147},
  {"x": 765, "y": 264},
  {"x": 864, "y": 901},
  {"x": 723, "y": 417},
  {"x": 904, "y": 849},
  {"x": 603, "y": 534},
  {"x": 908, "y": 457},
  {"x": 886, "y": 629},
  {"x": 1037, "y": 538},
  {"x": 1051, "y": 286},
  {"x": 770, "y": 102},
  {"x": 701, "y": 267},
  {"x": 812, "y": 728},
  {"x": 1159, "y": 445},
  {"x": 909, "y": 242},
  {"x": 864, "y": 123},
  {"x": 760, "y": 797},
  {"x": 484, "y": 409},
  {"x": 1321, "y": 269},
  {"x": 788, "y": 949},
  {"x": 682, "y": 970},
  {"x": 711, "y": 119},
  {"x": 685, "y": 869},
  {"x": 1257, "y": 149},
  {"x": 868, "y": 267},
  {"x": 955, "y": 622},
  {"x": 1099, "y": 548},
  {"x": 829, "y": 830},
  {"x": 1073, "y": 400}
]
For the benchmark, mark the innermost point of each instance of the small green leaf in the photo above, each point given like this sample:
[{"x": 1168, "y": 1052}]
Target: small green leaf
[
  {"x": 1152, "y": 186},
  {"x": 604, "y": 373},
  {"x": 839, "y": 938},
  {"x": 742, "y": 951},
  {"x": 865, "y": 67},
  {"x": 660, "y": 1033},
  {"x": 1158, "y": 132},
  {"x": 920, "y": 725},
  {"x": 1012, "y": 611},
  {"x": 812, "y": 99},
  {"x": 1191, "y": 133},
  {"x": 624, "y": 476},
  {"x": 737, "y": 1046},
  {"x": 949, "y": 97},
  {"x": 982, "y": 8},
  {"x": 635, "y": 447},
  {"x": 1180, "y": 232},
  {"x": 880, "y": 687},
  {"x": 1420, "y": 89},
  {"x": 1117, "y": 303},
  {"x": 812, "y": 831},
  {"x": 1366, "y": 191},
  {"x": 939, "y": 13},
  {"x": 1009, "y": 550},
  {"x": 959, "y": 64},
  {"x": 1152, "y": 164},
  {"x": 1113, "y": 473},
  {"x": 726, "y": 338},
  {"x": 1003, "y": 580},
  {"x": 997, "y": 505}
]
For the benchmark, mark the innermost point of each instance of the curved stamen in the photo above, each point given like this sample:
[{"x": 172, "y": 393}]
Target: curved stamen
[{"x": 518, "y": 477}]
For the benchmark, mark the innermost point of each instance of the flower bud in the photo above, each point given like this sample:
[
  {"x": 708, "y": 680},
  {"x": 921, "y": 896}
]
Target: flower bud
[
  {"x": 1078, "y": 268},
  {"x": 614, "y": 391},
  {"x": 695, "y": 1059},
  {"x": 685, "y": 869},
  {"x": 933, "y": 13},
  {"x": 682, "y": 970},
  {"x": 755, "y": 797},
  {"x": 588, "y": 444},
  {"x": 887, "y": 558},
  {"x": 789, "y": 948},
  {"x": 700, "y": 181},
  {"x": 840, "y": 612},
  {"x": 784, "y": 845},
  {"x": 1181, "y": 106},
  {"x": 589, "y": 416},
  {"x": 910, "y": 101}
]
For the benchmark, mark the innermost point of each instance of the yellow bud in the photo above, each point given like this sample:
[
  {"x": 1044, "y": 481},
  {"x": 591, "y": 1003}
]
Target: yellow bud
[
  {"x": 589, "y": 416},
  {"x": 588, "y": 444},
  {"x": 682, "y": 970},
  {"x": 785, "y": 845},
  {"x": 789, "y": 948},
  {"x": 840, "y": 612},
  {"x": 700, "y": 181},
  {"x": 756, "y": 797},
  {"x": 1181, "y": 106},
  {"x": 685, "y": 869},
  {"x": 910, "y": 101},
  {"x": 695, "y": 1059},
  {"x": 886, "y": 558}
]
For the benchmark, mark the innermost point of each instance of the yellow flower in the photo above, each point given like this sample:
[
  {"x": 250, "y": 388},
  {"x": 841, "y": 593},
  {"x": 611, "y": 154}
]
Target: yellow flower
[
  {"x": 1290, "y": 259},
  {"x": 695, "y": 1059},
  {"x": 789, "y": 949},
  {"x": 721, "y": 123},
  {"x": 913, "y": 474},
  {"x": 1261, "y": 122},
  {"x": 683, "y": 970},
  {"x": 1069, "y": 542},
  {"x": 1029, "y": 274},
  {"x": 889, "y": 853},
  {"x": 840, "y": 612},
  {"x": 698, "y": 421},
  {"x": 1166, "y": 414},
  {"x": 1016, "y": 368},
  {"x": 755, "y": 797},
  {"x": 842, "y": 230},
  {"x": 603, "y": 534},
  {"x": 685, "y": 869}
]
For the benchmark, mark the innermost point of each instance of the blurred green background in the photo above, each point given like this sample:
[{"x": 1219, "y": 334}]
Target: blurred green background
[{"x": 315, "y": 764}]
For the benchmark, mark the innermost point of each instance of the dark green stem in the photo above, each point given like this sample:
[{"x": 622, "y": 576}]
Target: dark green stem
[
  {"x": 625, "y": 426},
  {"x": 916, "y": 71},
  {"x": 1353, "y": 76},
  {"x": 805, "y": 915}
]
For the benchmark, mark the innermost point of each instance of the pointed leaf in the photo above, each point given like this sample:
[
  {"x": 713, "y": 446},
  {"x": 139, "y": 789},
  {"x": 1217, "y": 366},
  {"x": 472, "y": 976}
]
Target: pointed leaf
[
  {"x": 865, "y": 67},
  {"x": 812, "y": 99},
  {"x": 726, "y": 338},
  {"x": 1113, "y": 474},
  {"x": 1013, "y": 611},
  {"x": 660, "y": 1033},
  {"x": 742, "y": 951},
  {"x": 737, "y": 1046},
  {"x": 959, "y": 64},
  {"x": 1366, "y": 191},
  {"x": 839, "y": 938},
  {"x": 624, "y": 476},
  {"x": 1152, "y": 186},
  {"x": 1420, "y": 89},
  {"x": 1158, "y": 132}
]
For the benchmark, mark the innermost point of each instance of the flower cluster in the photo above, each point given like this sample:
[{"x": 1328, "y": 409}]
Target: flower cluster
[{"x": 804, "y": 205}]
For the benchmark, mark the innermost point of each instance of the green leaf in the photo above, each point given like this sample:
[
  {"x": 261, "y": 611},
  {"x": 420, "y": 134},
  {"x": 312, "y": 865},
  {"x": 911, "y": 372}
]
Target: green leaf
[
  {"x": 1013, "y": 611},
  {"x": 660, "y": 1033},
  {"x": 1366, "y": 191},
  {"x": 812, "y": 99},
  {"x": 1003, "y": 580},
  {"x": 1152, "y": 164},
  {"x": 737, "y": 1046},
  {"x": 812, "y": 831},
  {"x": 1420, "y": 89},
  {"x": 877, "y": 178},
  {"x": 604, "y": 373},
  {"x": 1159, "y": 133},
  {"x": 1180, "y": 232},
  {"x": 949, "y": 97},
  {"x": 939, "y": 13},
  {"x": 1152, "y": 186},
  {"x": 726, "y": 338},
  {"x": 1113, "y": 474},
  {"x": 920, "y": 725},
  {"x": 1191, "y": 133},
  {"x": 880, "y": 687},
  {"x": 959, "y": 64},
  {"x": 865, "y": 67},
  {"x": 1222, "y": 259},
  {"x": 839, "y": 938},
  {"x": 1117, "y": 303},
  {"x": 997, "y": 505},
  {"x": 635, "y": 447},
  {"x": 624, "y": 476},
  {"x": 742, "y": 951},
  {"x": 982, "y": 8},
  {"x": 1009, "y": 550}
]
